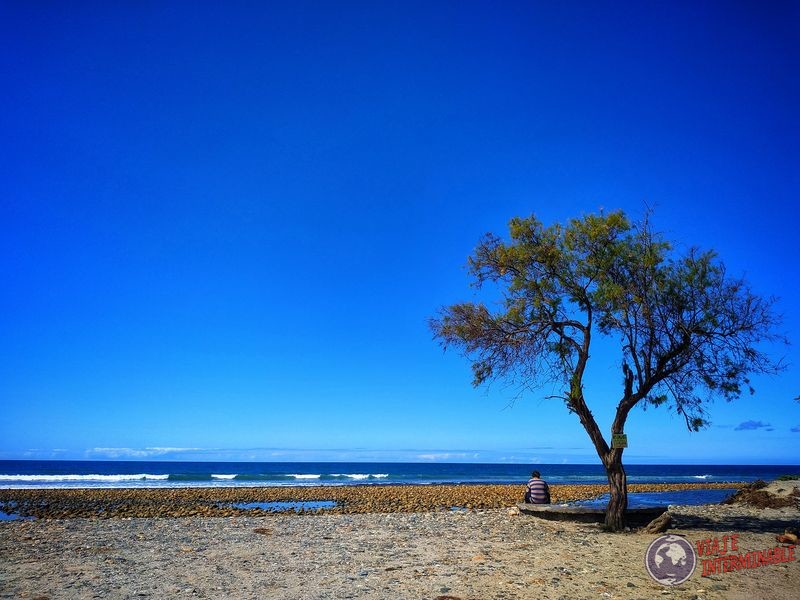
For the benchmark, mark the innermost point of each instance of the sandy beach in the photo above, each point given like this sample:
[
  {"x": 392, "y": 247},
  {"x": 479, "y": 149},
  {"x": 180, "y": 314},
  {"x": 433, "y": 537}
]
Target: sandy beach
[{"x": 467, "y": 554}]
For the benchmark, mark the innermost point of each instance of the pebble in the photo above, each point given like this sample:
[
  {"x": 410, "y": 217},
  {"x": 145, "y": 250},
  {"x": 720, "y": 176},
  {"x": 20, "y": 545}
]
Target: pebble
[
  {"x": 481, "y": 553},
  {"x": 218, "y": 502}
]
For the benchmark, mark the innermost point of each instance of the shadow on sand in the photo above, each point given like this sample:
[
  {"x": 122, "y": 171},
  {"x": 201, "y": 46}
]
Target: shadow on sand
[{"x": 733, "y": 523}]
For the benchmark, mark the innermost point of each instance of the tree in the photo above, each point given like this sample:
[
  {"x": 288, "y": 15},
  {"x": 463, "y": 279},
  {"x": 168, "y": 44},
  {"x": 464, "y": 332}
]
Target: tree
[{"x": 687, "y": 331}]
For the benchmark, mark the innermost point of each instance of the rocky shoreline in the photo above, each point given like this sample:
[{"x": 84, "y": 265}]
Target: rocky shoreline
[
  {"x": 356, "y": 499},
  {"x": 449, "y": 555}
]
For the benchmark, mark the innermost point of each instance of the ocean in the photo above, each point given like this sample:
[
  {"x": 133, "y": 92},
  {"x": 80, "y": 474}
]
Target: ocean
[{"x": 161, "y": 474}]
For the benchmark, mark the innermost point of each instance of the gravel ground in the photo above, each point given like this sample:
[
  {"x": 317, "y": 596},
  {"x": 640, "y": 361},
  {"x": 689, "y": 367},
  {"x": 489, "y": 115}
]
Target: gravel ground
[
  {"x": 477, "y": 554},
  {"x": 218, "y": 501}
]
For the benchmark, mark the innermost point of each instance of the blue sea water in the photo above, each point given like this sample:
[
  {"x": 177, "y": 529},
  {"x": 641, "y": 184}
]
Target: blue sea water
[
  {"x": 648, "y": 499},
  {"x": 157, "y": 474}
]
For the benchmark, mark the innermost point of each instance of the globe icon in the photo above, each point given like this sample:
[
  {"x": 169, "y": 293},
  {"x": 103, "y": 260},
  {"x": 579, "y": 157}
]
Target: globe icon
[{"x": 670, "y": 559}]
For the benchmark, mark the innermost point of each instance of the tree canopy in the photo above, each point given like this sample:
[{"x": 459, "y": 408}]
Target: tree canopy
[{"x": 687, "y": 330}]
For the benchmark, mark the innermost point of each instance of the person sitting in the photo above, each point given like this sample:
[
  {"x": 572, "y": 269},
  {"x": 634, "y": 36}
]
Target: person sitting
[{"x": 537, "y": 492}]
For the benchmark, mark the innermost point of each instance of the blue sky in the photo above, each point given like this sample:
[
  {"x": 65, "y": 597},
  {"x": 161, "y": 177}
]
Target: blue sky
[{"x": 223, "y": 228}]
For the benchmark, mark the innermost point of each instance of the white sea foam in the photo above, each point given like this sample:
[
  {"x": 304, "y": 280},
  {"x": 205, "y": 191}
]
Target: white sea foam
[
  {"x": 221, "y": 476},
  {"x": 304, "y": 476},
  {"x": 701, "y": 476},
  {"x": 361, "y": 476},
  {"x": 90, "y": 477}
]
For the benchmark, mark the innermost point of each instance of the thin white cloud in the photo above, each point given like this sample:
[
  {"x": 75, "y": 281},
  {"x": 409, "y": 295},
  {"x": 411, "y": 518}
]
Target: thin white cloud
[
  {"x": 447, "y": 455},
  {"x": 266, "y": 453},
  {"x": 138, "y": 452}
]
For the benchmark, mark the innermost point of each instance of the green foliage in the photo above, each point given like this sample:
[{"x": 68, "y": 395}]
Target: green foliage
[
  {"x": 788, "y": 477},
  {"x": 688, "y": 332}
]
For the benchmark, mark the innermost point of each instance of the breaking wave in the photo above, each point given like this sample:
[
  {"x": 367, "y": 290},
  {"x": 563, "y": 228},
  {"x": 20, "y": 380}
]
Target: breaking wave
[{"x": 90, "y": 477}]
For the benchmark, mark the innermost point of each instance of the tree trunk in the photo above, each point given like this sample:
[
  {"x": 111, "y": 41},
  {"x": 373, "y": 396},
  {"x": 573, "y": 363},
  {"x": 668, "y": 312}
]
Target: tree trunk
[{"x": 618, "y": 486}]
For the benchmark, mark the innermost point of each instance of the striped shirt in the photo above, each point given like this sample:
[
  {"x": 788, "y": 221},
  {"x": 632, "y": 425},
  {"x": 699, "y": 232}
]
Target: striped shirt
[{"x": 538, "y": 492}]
